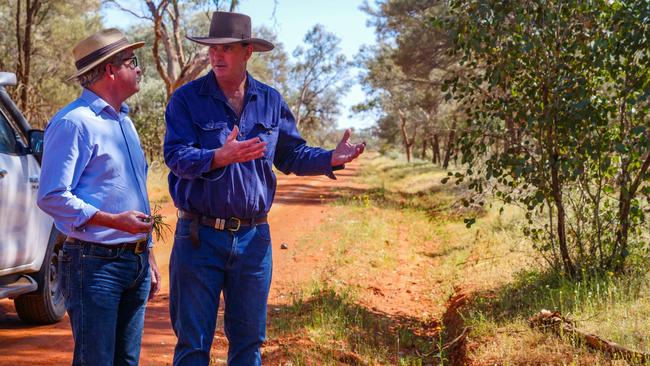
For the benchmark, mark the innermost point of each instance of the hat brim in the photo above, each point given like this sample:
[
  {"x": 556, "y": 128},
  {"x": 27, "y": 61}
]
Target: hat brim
[
  {"x": 259, "y": 45},
  {"x": 87, "y": 68}
]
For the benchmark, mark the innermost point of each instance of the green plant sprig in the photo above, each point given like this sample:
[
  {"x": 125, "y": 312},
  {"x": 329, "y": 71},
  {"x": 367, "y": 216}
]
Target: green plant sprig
[{"x": 159, "y": 227}]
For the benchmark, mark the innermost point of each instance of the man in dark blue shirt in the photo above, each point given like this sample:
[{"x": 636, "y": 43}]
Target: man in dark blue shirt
[{"x": 225, "y": 131}]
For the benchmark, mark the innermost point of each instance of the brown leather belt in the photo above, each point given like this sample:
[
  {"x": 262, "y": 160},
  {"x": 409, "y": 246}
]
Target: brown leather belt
[
  {"x": 230, "y": 224},
  {"x": 136, "y": 246}
]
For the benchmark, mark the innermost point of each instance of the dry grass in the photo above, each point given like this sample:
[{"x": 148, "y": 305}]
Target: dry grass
[{"x": 402, "y": 249}]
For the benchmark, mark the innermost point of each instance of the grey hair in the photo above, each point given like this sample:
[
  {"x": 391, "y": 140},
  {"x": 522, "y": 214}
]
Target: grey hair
[{"x": 94, "y": 74}]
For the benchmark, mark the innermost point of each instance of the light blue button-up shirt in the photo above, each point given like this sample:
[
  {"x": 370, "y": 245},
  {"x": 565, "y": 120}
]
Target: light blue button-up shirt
[{"x": 92, "y": 161}]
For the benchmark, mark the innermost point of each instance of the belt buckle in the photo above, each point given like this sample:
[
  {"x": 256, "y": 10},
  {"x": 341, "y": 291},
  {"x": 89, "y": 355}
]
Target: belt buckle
[
  {"x": 238, "y": 224},
  {"x": 140, "y": 246}
]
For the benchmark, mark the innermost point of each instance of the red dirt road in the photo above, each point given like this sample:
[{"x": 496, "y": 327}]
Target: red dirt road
[{"x": 299, "y": 204}]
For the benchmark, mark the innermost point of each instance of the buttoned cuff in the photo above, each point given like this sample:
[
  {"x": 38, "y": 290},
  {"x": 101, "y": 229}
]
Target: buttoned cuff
[
  {"x": 212, "y": 175},
  {"x": 85, "y": 214},
  {"x": 331, "y": 169}
]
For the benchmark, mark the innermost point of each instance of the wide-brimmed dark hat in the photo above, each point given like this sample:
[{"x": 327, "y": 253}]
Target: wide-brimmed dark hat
[
  {"x": 98, "y": 48},
  {"x": 227, "y": 28}
]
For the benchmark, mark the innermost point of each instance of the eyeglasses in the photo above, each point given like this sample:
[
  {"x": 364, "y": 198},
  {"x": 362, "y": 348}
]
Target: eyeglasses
[{"x": 131, "y": 62}]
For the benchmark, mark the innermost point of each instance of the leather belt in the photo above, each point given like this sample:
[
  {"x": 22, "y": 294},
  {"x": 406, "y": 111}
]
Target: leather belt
[
  {"x": 136, "y": 246},
  {"x": 230, "y": 224}
]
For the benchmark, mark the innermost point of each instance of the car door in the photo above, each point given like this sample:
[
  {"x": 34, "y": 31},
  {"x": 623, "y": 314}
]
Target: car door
[{"x": 24, "y": 228}]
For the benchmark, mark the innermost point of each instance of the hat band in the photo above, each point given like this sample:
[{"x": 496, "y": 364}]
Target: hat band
[
  {"x": 243, "y": 36},
  {"x": 99, "y": 53}
]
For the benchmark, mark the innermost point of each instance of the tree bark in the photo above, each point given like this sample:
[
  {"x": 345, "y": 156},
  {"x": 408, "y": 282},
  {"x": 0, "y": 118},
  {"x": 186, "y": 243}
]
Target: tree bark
[
  {"x": 450, "y": 145},
  {"x": 303, "y": 92},
  {"x": 408, "y": 144},
  {"x": 24, "y": 45},
  {"x": 435, "y": 147},
  {"x": 423, "y": 153},
  {"x": 176, "y": 70},
  {"x": 625, "y": 204},
  {"x": 561, "y": 219}
]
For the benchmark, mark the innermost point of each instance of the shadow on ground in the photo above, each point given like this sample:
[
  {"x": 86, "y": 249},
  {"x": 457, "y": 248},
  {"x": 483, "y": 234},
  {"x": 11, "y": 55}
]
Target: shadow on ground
[{"x": 329, "y": 327}]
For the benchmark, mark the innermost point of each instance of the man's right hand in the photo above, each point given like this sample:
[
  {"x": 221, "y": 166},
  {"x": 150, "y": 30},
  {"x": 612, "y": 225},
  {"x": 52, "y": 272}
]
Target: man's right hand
[
  {"x": 234, "y": 151},
  {"x": 133, "y": 222}
]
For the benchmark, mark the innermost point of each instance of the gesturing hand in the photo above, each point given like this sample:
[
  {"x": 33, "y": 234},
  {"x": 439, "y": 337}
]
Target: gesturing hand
[
  {"x": 234, "y": 151},
  {"x": 345, "y": 152}
]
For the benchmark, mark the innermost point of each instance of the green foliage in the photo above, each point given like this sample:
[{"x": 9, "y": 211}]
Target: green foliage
[
  {"x": 59, "y": 25},
  {"x": 557, "y": 120},
  {"x": 318, "y": 79},
  {"x": 271, "y": 67},
  {"x": 401, "y": 76},
  {"x": 148, "y": 115}
]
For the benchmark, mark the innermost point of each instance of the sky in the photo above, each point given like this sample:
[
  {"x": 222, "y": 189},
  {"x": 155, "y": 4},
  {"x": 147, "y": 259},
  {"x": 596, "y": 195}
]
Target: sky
[{"x": 291, "y": 21}]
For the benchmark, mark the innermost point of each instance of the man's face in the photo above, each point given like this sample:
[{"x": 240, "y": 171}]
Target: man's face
[
  {"x": 228, "y": 61},
  {"x": 127, "y": 74}
]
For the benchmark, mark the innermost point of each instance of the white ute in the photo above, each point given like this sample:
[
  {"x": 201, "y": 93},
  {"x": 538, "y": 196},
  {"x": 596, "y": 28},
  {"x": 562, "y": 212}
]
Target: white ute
[{"x": 29, "y": 243}]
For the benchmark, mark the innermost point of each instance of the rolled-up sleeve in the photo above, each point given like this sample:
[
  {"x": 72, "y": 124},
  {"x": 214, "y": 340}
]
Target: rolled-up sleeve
[
  {"x": 183, "y": 155},
  {"x": 66, "y": 153},
  {"x": 292, "y": 154}
]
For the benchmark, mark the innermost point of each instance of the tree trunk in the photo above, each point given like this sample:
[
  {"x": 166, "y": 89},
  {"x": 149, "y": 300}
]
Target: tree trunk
[
  {"x": 408, "y": 145},
  {"x": 625, "y": 204},
  {"x": 450, "y": 145},
  {"x": 435, "y": 148},
  {"x": 24, "y": 43},
  {"x": 423, "y": 153},
  {"x": 298, "y": 114},
  {"x": 561, "y": 218}
]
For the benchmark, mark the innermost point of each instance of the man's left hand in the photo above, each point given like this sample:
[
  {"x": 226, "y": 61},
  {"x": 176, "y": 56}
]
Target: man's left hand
[
  {"x": 345, "y": 152},
  {"x": 155, "y": 275}
]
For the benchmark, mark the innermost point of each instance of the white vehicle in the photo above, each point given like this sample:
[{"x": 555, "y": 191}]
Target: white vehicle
[{"x": 29, "y": 243}]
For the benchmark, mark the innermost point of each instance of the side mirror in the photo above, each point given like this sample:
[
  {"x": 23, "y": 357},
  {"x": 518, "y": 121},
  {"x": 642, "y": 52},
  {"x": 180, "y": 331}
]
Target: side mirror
[{"x": 36, "y": 142}]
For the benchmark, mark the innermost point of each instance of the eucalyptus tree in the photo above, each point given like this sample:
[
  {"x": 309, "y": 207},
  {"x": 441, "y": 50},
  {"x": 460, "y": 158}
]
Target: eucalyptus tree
[
  {"x": 318, "y": 79},
  {"x": 36, "y": 45},
  {"x": 562, "y": 128},
  {"x": 404, "y": 73}
]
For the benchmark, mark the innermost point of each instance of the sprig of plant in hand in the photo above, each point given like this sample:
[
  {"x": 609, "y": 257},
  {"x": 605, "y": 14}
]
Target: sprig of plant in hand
[{"x": 159, "y": 227}]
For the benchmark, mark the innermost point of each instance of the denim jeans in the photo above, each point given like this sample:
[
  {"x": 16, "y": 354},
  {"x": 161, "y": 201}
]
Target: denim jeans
[
  {"x": 237, "y": 263},
  {"x": 105, "y": 292}
]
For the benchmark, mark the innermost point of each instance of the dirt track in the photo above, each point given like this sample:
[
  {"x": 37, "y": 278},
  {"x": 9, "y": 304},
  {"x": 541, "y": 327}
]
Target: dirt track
[{"x": 299, "y": 204}]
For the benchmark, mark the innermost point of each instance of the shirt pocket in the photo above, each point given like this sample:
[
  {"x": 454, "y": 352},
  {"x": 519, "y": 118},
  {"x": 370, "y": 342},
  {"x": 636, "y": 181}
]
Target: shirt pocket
[
  {"x": 213, "y": 134},
  {"x": 267, "y": 132}
]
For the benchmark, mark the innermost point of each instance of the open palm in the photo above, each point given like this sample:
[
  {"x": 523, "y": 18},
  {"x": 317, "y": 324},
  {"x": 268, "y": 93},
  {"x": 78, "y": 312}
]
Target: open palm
[{"x": 345, "y": 151}]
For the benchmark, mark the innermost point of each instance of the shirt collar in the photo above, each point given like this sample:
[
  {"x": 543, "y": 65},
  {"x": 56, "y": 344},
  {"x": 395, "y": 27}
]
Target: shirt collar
[
  {"x": 97, "y": 104},
  {"x": 209, "y": 86}
]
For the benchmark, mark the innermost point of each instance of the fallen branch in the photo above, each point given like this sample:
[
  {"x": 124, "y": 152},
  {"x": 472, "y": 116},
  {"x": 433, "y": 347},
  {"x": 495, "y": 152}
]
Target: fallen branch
[
  {"x": 560, "y": 325},
  {"x": 458, "y": 339}
]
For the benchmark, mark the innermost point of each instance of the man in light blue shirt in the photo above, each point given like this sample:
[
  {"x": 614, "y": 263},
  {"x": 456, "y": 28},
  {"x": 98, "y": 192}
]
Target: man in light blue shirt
[{"x": 93, "y": 183}]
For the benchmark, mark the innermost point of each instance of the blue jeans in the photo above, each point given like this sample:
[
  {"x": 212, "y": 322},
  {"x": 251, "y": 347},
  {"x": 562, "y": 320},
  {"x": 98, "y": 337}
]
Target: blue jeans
[
  {"x": 105, "y": 292},
  {"x": 237, "y": 263}
]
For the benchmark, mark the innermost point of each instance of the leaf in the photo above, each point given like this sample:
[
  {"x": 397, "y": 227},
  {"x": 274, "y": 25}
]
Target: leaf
[
  {"x": 469, "y": 222},
  {"x": 638, "y": 130},
  {"x": 160, "y": 227}
]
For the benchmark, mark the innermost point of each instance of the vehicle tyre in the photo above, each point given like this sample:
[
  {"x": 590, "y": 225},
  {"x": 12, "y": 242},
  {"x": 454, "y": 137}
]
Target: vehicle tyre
[{"x": 45, "y": 305}]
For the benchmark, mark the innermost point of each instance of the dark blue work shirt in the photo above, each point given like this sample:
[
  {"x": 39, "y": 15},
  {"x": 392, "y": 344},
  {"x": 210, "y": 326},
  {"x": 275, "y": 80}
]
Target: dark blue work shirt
[{"x": 199, "y": 119}]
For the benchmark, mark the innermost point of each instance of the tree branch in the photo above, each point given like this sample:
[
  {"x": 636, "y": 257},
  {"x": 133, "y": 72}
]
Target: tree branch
[{"x": 127, "y": 10}]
